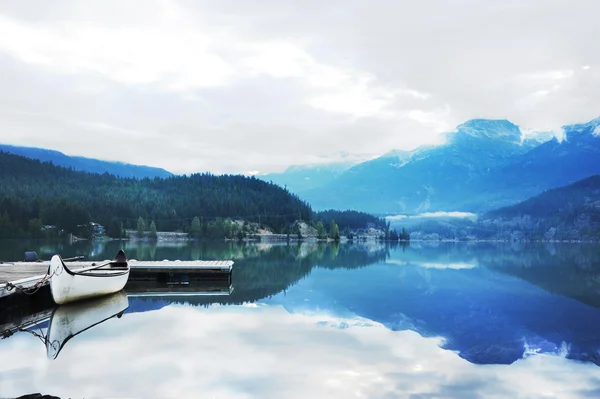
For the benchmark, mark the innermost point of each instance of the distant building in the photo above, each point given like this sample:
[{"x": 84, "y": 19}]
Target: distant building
[
  {"x": 97, "y": 229},
  {"x": 91, "y": 230}
]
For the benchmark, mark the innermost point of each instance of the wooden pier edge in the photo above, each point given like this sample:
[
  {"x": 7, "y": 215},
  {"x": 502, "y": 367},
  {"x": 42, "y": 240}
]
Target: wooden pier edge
[{"x": 27, "y": 274}]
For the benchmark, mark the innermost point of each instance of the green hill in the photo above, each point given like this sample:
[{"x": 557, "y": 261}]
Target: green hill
[
  {"x": 34, "y": 194},
  {"x": 567, "y": 213}
]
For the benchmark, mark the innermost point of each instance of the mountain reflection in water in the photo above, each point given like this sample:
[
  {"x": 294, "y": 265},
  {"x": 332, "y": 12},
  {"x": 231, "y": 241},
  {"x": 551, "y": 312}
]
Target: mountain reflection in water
[
  {"x": 265, "y": 351},
  {"x": 442, "y": 320}
]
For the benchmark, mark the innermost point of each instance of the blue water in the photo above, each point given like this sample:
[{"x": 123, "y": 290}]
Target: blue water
[{"x": 449, "y": 320}]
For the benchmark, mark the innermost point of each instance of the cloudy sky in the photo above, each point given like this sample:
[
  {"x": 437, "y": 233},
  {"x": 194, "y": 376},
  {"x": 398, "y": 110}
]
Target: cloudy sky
[{"x": 234, "y": 86}]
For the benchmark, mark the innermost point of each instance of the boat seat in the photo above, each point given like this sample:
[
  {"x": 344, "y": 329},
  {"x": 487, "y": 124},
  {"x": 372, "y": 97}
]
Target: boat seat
[{"x": 120, "y": 261}]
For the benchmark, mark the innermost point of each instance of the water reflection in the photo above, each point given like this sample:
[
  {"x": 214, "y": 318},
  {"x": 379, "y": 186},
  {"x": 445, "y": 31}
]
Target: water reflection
[
  {"x": 13, "y": 250},
  {"x": 487, "y": 317},
  {"x": 156, "y": 289},
  {"x": 421, "y": 318},
  {"x": 267, "y": 352},
  {"x": 54, "y": 327},
  {"x": 70, "y": 320}
]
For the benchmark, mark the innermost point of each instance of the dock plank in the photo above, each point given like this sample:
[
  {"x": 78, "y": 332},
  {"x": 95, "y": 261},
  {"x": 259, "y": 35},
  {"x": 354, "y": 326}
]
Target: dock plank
[
  {"x": 29, "y": 272},
  {"x": 17, "y": 271}
]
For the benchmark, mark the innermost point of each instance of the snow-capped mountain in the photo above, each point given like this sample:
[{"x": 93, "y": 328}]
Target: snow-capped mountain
[{"x": 484, "y": 164}]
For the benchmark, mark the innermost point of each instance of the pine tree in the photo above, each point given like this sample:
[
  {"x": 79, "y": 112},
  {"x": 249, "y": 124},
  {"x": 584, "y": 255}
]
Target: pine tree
[
  {"x": 35, "y": 228},
  {"x": 153, "y": 229},
  {"x": 228, "y": 228},
  {"x": 195, "y": 227},
  {"x": 141, "y": 227},
  {"x": 115, "y": 229},
  {"x": 404, "y": 235},
  {"x": 334, "y": 230},
  {"x": 320, "y": 230}
]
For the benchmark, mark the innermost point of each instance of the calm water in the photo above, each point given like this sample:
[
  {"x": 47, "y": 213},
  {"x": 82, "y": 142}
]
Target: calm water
[{"x": 451, "y": 320}]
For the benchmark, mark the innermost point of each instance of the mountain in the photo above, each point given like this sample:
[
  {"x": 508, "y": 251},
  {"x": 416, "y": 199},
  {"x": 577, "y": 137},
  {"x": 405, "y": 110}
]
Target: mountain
[
  {"x": 299, "y": 178},
  {"x": 566, "y": 213},
  {"x": 34, "y": 194},
  {"x": 87, "y": 164},
  {"x": 428, "y": 178},
  {"x": 483, "y": 165},
  {"x": 549, "y": 165}
]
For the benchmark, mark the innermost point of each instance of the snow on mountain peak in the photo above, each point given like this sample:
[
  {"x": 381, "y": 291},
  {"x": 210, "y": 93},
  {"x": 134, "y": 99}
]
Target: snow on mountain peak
[
  {"x": 592, "y": 127},
  {"x": 489, "y": 128}
]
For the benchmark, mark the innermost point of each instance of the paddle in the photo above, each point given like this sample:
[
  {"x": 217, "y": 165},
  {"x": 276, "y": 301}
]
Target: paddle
[{"x": 93, "y": 268}]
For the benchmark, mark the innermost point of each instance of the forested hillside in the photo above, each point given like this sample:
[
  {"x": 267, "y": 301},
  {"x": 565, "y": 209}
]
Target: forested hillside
[
  {"x": 566, "y": 213},
  {"x": 35, "y": 194},
  {"x": 563, "y": 214},
  {"x": 350, "y": 219}
]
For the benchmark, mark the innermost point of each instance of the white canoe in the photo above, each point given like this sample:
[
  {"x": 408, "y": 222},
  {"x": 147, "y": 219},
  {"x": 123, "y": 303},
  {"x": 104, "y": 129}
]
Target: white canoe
[
  {"x": 68, "y": 286},
  {"x": 72, "y": 319}
]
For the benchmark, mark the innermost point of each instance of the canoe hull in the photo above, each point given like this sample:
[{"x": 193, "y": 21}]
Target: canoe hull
[{"x": 67, "y": 286}]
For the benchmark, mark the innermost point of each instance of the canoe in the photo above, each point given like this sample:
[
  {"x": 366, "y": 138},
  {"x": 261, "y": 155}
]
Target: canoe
[
  {"x": 67, "y": 285},
  {"x": 72, "y": 319}
]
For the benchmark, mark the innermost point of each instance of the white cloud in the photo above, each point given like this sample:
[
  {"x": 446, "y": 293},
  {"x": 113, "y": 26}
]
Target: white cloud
[
  {"x": 229, "y": 87},
  {"x": 548, "y": 75},
  {"x": 340, "y": 91},
  {"x": 434, "y": 265},
  {"x": 447, "y": 214},
  {"x": 433, "y": 215},
  {"x": 543, "y": 134},
  {"x": 103, "y": 127},
  {"x": 435, "y": 119},
  {"x": 278, "y": 59},
  {"x": 141, "y": 55}
]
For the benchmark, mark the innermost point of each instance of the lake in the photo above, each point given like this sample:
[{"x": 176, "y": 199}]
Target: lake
[{"x": 425, "y": 320}]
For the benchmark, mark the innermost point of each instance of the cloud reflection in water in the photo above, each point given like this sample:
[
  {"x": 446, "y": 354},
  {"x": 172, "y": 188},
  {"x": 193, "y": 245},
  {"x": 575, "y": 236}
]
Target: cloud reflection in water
[{"x": 267, "y": 352}]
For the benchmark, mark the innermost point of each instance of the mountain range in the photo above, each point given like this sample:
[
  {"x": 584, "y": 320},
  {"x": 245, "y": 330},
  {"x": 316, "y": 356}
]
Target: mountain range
[
  {"x": 307, "y": 177},
  {"x": 83, "y": 164},
  {"x": 483, "y": 165}
]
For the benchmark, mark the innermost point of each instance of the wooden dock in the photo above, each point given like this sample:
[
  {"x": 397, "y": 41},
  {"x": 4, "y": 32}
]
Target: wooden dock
[{"x": 26, "y": 274}]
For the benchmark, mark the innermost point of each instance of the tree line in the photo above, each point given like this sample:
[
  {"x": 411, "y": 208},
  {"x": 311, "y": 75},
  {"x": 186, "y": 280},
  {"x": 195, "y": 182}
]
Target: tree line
[
  {"x": 38, "y": 199},
  {"x": 36, "y": 195}
]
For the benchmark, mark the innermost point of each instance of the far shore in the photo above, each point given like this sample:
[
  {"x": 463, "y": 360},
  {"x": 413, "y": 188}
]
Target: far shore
[{"x": 168, "y": 236}]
